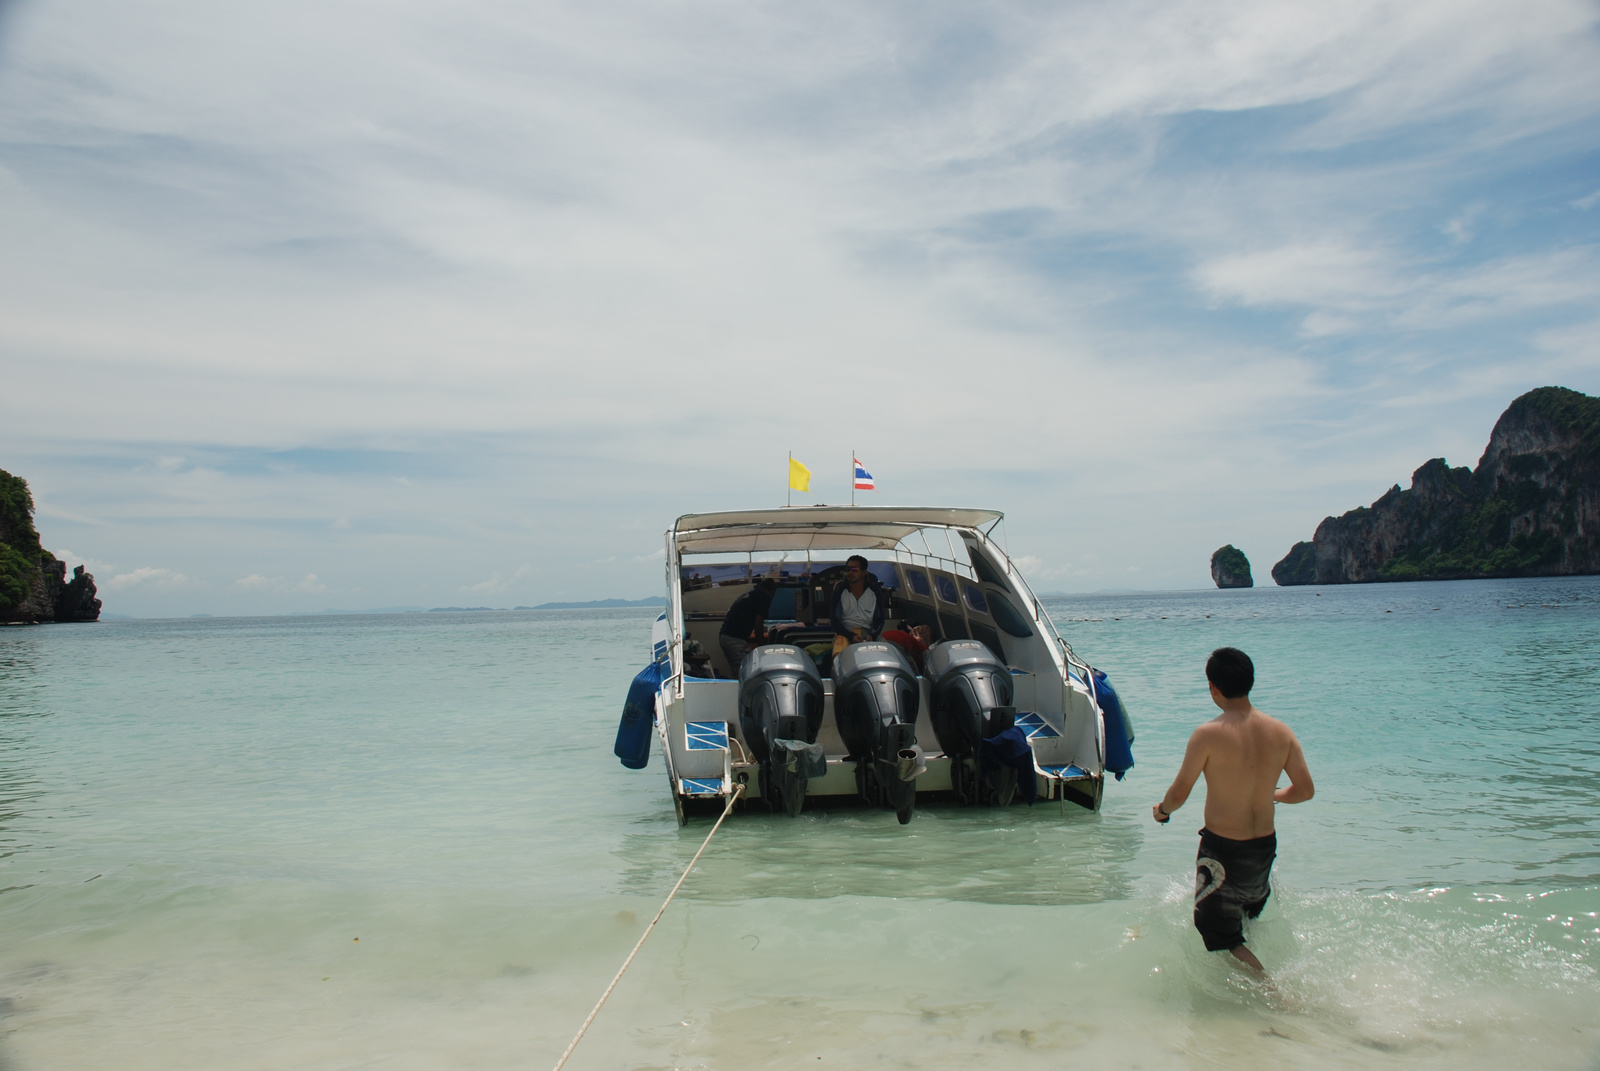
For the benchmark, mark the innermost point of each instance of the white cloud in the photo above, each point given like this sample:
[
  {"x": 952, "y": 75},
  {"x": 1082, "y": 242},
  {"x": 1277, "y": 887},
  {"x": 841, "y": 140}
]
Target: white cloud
[
  {"x": 45, "y": 509},
  {"x": 1321, "y": 273},
  {"x": 257, "y": 582},
  {"x": 1506, "y": 286},
  {"x": 496, "y": 584},
  {"x": 1321, "y": 324},
  {"x": 1460, "y": 228},
  {"x": 309, "y": 583},
  {"x": 148, "y": 577},
  {"x": 1355, "y": 287},
  {"x": 492, "y": 586},
  {"x": 93, "y": 565}
]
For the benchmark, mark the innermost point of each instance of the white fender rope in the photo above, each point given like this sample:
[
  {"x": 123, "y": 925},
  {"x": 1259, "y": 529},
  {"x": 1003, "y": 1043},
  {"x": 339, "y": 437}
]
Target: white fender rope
[{"x": 737, "y": 792}]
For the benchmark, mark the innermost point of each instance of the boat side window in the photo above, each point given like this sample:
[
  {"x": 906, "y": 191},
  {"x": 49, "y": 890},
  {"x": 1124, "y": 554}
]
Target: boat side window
[
  {"x": 987, "y": 570},
  {"x": 946, "y": 588},
  {"x": 885, "y": 574},
  {"x": 1007, "y": 617},
  {"x": 975, "y": 599},
  {"x": 918, "y": 581}
]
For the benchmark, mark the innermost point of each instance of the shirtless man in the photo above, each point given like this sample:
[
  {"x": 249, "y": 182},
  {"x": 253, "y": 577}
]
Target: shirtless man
[{"x": 1241, "y": 752}]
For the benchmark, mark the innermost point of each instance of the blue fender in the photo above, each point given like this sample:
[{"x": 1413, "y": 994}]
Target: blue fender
[
  {"x": 1119, "y": 727},
  {"x": 638, "y": 718}
]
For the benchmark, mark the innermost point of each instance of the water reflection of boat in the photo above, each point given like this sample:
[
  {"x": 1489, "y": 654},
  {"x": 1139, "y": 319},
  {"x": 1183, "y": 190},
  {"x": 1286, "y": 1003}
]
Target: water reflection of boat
[{"x": 1011, "y": 712}]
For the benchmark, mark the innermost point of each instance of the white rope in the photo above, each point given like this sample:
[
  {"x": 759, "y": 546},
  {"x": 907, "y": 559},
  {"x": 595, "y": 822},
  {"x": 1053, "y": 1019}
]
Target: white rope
[{"x": 737, "y": 792}]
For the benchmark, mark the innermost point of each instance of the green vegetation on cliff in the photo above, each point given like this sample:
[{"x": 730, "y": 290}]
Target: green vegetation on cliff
[
  {"x": 1484, "y": 539},
  {"x": 1531, "y": 508},
  {"x": 1230, "y": 568},
  {"x": 19, "y": 541},
  {"x": 33, "y": 584}
]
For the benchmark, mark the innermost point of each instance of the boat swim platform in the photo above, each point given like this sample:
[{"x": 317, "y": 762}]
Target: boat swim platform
[{"x": 837, "y": 789}]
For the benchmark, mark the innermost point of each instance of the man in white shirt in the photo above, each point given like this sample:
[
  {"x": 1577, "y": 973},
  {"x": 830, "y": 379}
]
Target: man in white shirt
[{"x": 859, "y": 604}]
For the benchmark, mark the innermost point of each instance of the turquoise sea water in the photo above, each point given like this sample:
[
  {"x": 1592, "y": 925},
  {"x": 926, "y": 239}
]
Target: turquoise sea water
[{"x": 402, "y": 842}]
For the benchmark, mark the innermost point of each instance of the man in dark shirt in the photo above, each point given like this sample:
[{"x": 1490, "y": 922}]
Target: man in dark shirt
[{"x": 746, "y": 620}]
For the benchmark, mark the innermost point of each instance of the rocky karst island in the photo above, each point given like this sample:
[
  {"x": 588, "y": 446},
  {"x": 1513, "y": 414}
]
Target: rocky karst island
[
  {"x": 1230, "y": 568},
  {"x": 33, "y": 583},
  {"x": 1530, "y": 508}
]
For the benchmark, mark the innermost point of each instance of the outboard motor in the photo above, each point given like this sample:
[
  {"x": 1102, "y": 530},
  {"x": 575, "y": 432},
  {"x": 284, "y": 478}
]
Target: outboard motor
[
  {"x": 970, "y": 695},
  {"x": 780, "y": 712},
  {"x": 875, "y": 701}
]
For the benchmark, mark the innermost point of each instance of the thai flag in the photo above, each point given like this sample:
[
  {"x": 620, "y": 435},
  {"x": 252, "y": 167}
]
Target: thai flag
[{"x": 863, "y": 477}]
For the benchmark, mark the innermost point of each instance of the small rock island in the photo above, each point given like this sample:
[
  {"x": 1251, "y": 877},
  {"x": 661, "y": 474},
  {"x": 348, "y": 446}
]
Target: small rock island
[
  {"x": 33, "y": 583},
  {"x": 1230, "y": 568},
  {"x": 1530, "y": 508}
]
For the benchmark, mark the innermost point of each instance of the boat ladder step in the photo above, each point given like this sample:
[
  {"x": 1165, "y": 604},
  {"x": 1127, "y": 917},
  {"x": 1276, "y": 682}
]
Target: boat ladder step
[
  {"x": 707, "y": 735},
  {"x": 1068, "y": 772},
  {"x": 1035, "y": 726}
]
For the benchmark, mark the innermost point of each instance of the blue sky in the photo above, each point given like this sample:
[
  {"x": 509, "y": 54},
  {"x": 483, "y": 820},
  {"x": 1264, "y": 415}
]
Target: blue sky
[{"x": 354, "y": 305}]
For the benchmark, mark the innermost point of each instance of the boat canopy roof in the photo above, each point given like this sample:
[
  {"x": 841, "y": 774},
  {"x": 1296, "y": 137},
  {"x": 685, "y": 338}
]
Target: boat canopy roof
[{"x": 817, "y": 527}]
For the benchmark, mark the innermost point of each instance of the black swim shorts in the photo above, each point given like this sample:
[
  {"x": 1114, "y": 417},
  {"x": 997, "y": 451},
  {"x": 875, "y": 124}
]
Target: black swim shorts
[{"x": 1230, "y": 885}]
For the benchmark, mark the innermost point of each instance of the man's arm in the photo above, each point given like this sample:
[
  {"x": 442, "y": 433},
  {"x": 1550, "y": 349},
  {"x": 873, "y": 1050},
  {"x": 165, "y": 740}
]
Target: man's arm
[
  {"x": 763, "y": 607},
  {"x": 1194, "y": 762},
  {"x": 1300, "y": 787}
]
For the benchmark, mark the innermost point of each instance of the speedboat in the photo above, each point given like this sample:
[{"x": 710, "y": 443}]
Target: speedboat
[{"x": 984, "y": 704}]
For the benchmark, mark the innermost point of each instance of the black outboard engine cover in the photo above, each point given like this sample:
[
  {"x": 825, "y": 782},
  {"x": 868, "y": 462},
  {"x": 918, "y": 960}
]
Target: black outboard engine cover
[
  {"x": 875, "y": 703},
  {"x": 780, "y": 712},
  {"x": 970, "y": 694}
]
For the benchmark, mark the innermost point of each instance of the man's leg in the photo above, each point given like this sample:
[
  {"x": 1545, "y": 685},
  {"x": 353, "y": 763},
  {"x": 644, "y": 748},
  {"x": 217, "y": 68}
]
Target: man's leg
[
  {"x": 734, "y": 649},
  {"x": 1248, "y": 958},
  {"x": 1218, "y": 914}
]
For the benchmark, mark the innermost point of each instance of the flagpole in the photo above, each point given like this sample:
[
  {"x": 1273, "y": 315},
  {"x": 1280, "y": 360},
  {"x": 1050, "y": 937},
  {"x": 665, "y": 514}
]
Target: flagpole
[
  {"x": 788, "y": 482},
  {"x": 852, "y": 475}
]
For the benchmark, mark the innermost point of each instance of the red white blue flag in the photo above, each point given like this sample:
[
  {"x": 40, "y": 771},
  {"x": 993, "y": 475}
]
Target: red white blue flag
[{"x": 863, "y": 477}]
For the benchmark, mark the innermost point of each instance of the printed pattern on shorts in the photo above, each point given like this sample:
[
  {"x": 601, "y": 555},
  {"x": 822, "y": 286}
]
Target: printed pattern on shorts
[{"x": 1209, "y": 874}]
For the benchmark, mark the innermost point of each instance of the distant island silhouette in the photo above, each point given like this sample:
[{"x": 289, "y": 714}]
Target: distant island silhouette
[{"x": 598, "y": 604}]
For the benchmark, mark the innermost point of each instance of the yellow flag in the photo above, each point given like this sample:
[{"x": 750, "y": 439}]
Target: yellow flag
[{"x": 799, "y": 477}]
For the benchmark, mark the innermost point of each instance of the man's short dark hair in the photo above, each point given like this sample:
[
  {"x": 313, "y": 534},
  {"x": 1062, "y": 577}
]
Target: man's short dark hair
[
  {"x": 1231, "y": 670},
  {"x": 853, "y": 559},
  {"x": 767, "y": 583}
]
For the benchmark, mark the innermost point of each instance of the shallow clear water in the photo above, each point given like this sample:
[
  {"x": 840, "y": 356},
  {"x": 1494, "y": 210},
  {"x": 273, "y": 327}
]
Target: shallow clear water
[{"x": 401, "y": 841}]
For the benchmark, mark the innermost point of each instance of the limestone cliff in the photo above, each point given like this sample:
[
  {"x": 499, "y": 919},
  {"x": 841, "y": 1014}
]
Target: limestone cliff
[
  {"x": 1231, "y": 569},
  {"x": 1530, "y": 508},
  {"x": 33, "y": 584}
]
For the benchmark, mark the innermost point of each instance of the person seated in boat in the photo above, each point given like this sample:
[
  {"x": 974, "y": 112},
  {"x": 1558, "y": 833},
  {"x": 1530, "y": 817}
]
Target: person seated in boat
[
  {"x": 914, "y": 642},
  {"x": 858, "y": 605},
  {"x": 696, "y": 662},
  {"x": 746, "y": 620}
]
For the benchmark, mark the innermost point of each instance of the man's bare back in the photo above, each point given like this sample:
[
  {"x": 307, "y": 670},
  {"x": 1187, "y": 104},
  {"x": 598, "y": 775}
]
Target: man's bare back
[{"x": 1241, "y": 752}]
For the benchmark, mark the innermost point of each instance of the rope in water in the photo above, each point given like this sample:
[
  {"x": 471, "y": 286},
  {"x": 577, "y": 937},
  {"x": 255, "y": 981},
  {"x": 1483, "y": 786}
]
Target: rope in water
[{"x": 737, "y": 792}]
